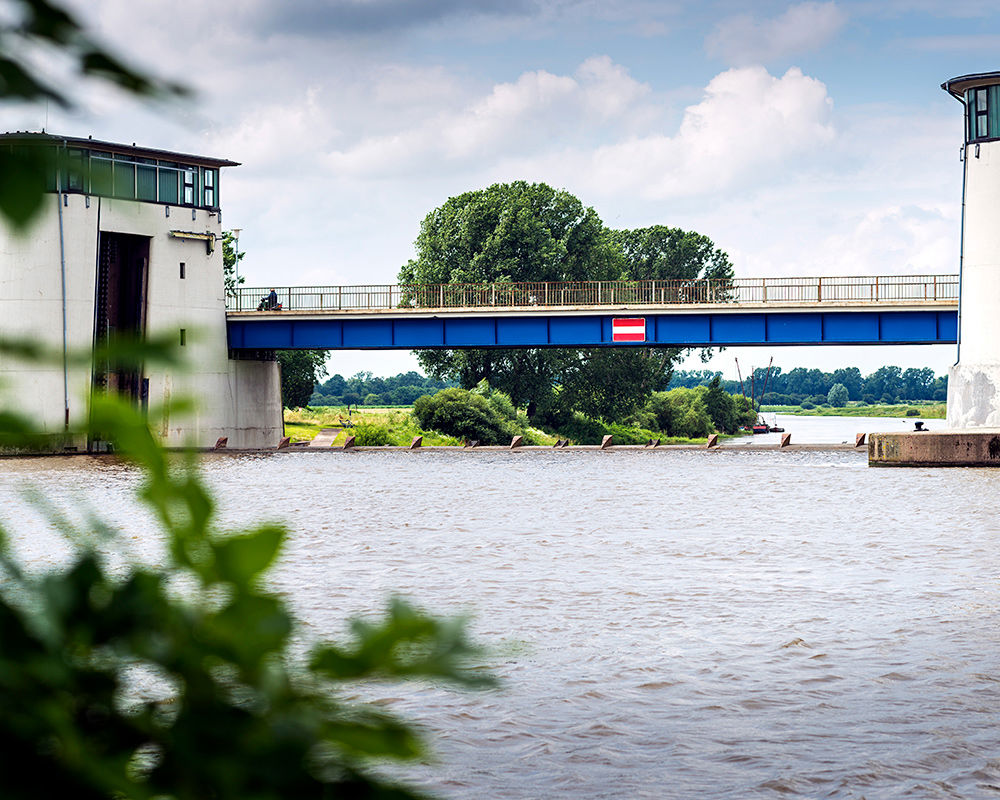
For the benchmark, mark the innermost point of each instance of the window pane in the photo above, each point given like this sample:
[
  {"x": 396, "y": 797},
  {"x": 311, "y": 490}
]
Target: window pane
[
  {"x": 145, "y": 183},
  {"x": 994, "y": 111},
  {"x": 209, "y": 177},
  {"x": 970, "y": 115},
  {"x": 124, "y": 180},
  {"x": 75, "y": 164},
  {"x": 981, "y": 127},
  {"x": 168, "y": 185},
  {"x": 100, "y": 176}
]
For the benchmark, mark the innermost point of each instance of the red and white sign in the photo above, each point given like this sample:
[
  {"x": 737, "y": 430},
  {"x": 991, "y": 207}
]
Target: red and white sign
[{"x": 628, "y": 329}]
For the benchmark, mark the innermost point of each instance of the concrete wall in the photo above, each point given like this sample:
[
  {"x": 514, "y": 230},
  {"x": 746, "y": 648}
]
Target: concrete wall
[
  {"x": 976, "y": 448},
  {"x": 974, "y": 383},
  {"x": 240, "y": 400}
]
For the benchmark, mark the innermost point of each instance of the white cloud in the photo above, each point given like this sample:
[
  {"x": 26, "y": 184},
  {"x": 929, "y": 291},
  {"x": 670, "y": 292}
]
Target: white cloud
[
  {"x": 581, "y": 129},
  {"x": 802, "y": 28},
  {"x": 524, "y": 116},
  {"x": 894, "y": 239},
  {"x": 749, "y": 123}
]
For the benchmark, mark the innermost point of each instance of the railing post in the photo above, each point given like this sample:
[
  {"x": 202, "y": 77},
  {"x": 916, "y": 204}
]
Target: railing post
[
  {"x": 935, "y": 287},
  {"x": 819, "y": 290},
  {"x": 441, "y": 296},
  {"x": 546, "y": 292},
  {"x": 763, "y": 283},
  {"x": 340, "y": 297},
  {"x": 493, "y": 294},
  {"x": 876, "y": 288},
  {"x": 598, "y": 293}
]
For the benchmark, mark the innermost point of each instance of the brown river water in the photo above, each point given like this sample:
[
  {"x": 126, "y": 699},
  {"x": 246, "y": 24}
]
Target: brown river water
[{"x": 686, "y": 624}]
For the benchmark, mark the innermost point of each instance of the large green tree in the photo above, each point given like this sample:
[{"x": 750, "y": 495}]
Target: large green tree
[
  {"x": 508, "y": 233},
  {"x": 230, "y": 263},
  {"x": 522, "y": 232},
  {"x": 512, "y": 232},
  {"x": 611, "y": 383},
  {"x": 301, "y": 370},
  {"x": 665, "y": 254}
]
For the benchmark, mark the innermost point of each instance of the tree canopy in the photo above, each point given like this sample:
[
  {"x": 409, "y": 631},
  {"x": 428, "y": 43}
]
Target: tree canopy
[
  {"x": 521, "y": 232},
  {"x": 300, "y": 372},
  {"x": 662, "y": 253},
  {"x": 512, "y": 232}
]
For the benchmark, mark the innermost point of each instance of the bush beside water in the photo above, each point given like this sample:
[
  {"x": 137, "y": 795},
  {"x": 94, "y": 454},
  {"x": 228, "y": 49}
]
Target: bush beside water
[{"x": 488, "y": 416}]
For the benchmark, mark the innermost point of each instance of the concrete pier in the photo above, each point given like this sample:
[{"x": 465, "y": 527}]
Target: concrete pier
[{"x": 946, "y": 448}]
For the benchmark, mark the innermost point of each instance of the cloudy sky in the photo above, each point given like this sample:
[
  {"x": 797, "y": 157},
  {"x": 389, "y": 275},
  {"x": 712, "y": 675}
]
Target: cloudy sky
[{"x": 805, "y": 139}]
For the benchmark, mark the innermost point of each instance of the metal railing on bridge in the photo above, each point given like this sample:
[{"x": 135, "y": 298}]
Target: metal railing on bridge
[{"x": 779, "y": 291}]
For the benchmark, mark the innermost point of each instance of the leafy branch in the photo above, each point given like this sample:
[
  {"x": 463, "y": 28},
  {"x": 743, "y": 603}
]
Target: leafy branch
[{"x": 234, "y": 714}]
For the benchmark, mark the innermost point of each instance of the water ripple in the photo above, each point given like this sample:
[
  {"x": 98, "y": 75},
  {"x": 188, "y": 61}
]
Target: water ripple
[{"x": 748, "y": 624}]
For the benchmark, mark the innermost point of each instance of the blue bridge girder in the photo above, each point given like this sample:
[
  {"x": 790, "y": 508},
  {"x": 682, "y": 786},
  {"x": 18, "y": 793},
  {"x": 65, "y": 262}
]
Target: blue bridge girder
[{"x": 694, "y": 326}]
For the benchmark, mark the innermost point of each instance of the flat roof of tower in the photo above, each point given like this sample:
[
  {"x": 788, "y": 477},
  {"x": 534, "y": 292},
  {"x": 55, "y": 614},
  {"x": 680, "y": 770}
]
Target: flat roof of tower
[
  {"x": 957, "y": 86},
  {"x": 115, "y": 147}
]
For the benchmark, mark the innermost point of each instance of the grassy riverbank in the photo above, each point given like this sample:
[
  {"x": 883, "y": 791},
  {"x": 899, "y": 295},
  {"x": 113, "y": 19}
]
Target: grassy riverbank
[
  {"x": 396, "y": 426},
  {"x": 923, "y": 410}
]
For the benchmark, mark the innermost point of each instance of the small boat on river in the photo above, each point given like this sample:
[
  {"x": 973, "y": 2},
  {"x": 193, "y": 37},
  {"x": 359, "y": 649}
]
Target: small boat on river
[{"x": 762, "y": 426}]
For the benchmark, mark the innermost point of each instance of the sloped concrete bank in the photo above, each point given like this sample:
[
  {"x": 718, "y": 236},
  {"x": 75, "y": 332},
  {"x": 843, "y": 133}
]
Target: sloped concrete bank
[{"x": 533, "y": 449}]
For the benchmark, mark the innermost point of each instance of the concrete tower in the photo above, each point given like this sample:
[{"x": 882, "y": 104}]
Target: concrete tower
[
  {"x": 128, "y": 242},
  {"x": 974, "y": 381}
]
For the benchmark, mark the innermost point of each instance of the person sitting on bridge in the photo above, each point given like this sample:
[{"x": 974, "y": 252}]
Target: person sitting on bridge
[{"x": 272, "y": 300}]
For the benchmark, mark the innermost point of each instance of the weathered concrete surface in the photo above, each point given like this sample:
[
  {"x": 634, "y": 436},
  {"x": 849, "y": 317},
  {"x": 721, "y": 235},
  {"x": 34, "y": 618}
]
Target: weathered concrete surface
[
  {"x": 974, "y": 396},
  {"x": 576, "y": 448},
  {"x": 946, "y": 448}
]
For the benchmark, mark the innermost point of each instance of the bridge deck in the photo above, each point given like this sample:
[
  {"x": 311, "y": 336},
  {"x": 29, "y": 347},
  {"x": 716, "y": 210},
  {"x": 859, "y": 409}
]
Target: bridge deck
[
  {"x": 685, "y": 296},
  {"x": 617, "y": 310},
  {"x": 882, "y": 310}
]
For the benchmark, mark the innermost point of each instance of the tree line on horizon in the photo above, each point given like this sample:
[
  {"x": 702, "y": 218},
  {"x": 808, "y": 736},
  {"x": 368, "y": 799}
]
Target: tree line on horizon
[
  {"x": 888, "y": 384},
  {"x": 364, "y": 388}
]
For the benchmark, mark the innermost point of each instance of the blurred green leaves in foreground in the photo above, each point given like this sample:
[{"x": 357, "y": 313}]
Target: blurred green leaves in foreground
[
  {"x": 181, "y": 681},
  {"x": 42, "y": 47}
]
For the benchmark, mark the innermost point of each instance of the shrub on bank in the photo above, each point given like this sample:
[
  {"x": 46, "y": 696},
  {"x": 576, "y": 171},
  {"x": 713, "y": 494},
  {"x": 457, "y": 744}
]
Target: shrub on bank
[
  {"x": 465, "y": 415},
  {"x": 838, "y": 395},
  {"x": 368, "y": 433},
  {"x": 807, "y": 405},
  {"x": 912, "y": 412},
  {"x": 680, "y": 412},
  {"x": 580, "y": 429}
]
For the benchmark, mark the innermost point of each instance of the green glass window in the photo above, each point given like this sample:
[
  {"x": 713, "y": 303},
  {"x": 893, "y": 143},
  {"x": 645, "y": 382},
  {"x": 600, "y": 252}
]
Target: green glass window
[
  {"x": 983, "y": 113},
  {"x": 124, "y": 179},
  {"x": 76, "y": 168},
  {"x": 145, "y": 179},
  {"x": 101, "y": 176},
  {"x": 168, "y": 183},
  {"x": 210, "y": 178},
  {"x": 993, "y": 112}
]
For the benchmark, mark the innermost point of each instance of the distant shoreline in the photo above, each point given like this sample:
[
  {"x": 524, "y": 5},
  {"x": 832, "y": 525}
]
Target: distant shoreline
[{"x": 924, "y": 411}]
